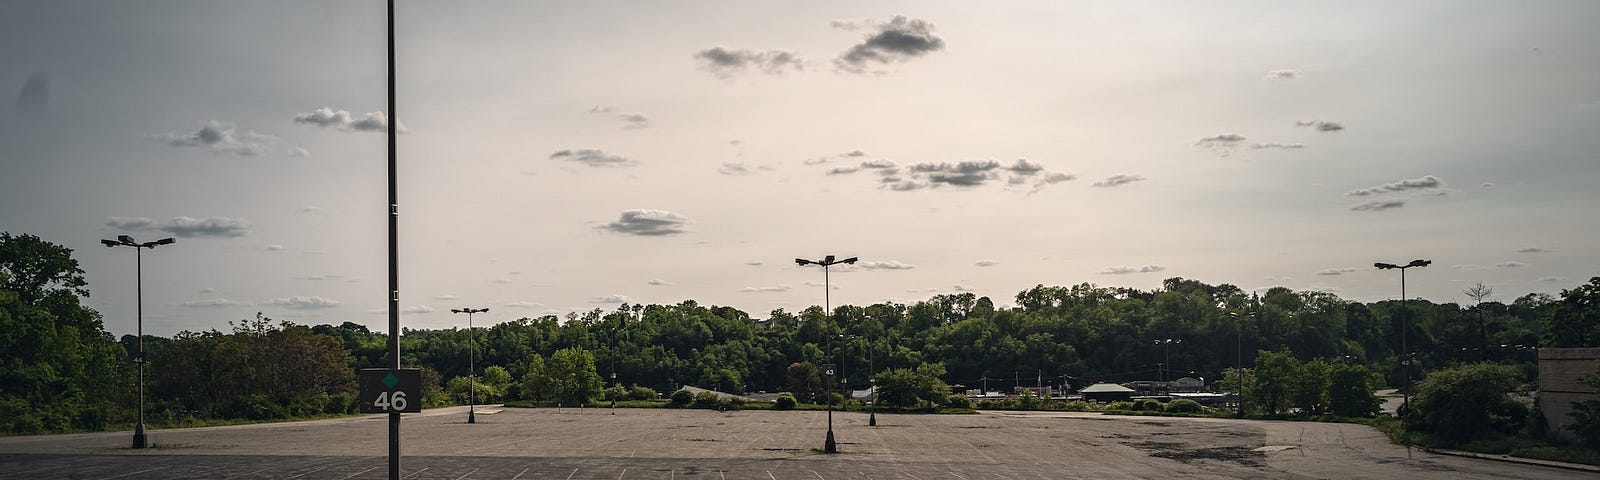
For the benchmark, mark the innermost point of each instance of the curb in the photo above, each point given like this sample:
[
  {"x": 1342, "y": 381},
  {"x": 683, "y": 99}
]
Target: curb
[{"x": 1510, "y": 459}]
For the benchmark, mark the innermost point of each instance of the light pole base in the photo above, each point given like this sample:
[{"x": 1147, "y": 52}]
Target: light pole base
[
  {"x": 829, "y": 446},
  {"x": 141, "y": 441},
  {"x": 872, "y": 419},
  {"x": 472, "y": 417}
]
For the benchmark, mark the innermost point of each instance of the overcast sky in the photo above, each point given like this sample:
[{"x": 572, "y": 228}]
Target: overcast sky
[{"x": 564, "y": 156}]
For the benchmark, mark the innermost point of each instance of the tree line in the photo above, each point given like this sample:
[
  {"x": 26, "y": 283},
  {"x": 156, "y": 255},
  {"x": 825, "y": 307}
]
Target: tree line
[{"x": 64, "y": 372}]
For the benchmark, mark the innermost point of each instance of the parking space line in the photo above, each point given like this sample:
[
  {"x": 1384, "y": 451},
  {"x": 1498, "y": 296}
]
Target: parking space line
[
  {"x": 418, "y": 472},
  {"x": 819, "y": 476},
  {"x": 519, "y": 474},
  {"x": 624, "y": 472},
  {"x": 569, "y": 476},
  {"x": 913, "y": 477},
  {"x": 720, "y": 475},
  {"x": 33, "y": 471},
  {"x": 957, "y": 475},
  {"x": 141, "y": 471},
  {"x": 465, "y": 475},
  {"x": 250, "y": 473},
  {"x": 353, "y": 475},
  {"x": 305, "y": 473},
  {"x": 769, "y": 475}
]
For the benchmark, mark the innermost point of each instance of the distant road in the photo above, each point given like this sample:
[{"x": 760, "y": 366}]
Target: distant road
[{"x": 672, "y": 444}]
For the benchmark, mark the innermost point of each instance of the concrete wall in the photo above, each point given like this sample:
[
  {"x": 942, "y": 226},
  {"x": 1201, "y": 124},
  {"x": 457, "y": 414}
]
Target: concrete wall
[{"x": 1561, "y": 373}]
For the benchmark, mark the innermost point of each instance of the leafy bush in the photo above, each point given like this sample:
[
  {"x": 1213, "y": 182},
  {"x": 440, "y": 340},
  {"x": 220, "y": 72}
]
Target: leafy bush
[
  {"x": 785, "y": 402},
  {"x": 681, "y": 398},
  {"x": 958, "y": 401},
  {"x": 641, "y": 393},
  {"x": 1149, "y": 405},
  {"x": 1185, "y": 406},
  {"x": 1077, "y": 406},
  {"x": 706, "y": 400},
  {"x": 1464, "y": 403},
  {"x": 1586, "y": 415},
  {"x": 1119, "y": 405}
]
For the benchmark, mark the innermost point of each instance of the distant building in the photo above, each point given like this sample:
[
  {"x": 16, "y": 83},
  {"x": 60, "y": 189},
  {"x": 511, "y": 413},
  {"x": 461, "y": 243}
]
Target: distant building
[
  {"x": 1106, "y": 392},
  {"x": 1187, "y": 385},
  {"x": 1561, "y": 373}
]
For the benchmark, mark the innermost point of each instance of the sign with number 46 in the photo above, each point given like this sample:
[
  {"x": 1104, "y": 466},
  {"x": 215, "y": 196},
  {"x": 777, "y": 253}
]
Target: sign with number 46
[{"x": 386, "y": 390}]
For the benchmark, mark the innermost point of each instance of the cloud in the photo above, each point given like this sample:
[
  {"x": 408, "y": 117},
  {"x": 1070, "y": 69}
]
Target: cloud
[
  {"x": 1283, "y": 74},
  {"x": 658, "y": 282},
  {"x": 1128, "y": 270},
  {"x": 302, "y": 303},
  {"x": 592, "y": 157},
  {"x": 1550, "y": 279},
  {"x": 775, "y": 288},
  {"x": 34, "y": 95},
  {"x": 961, "y": 174},
  {"x": 208, "y": 303},
  {"x": 884, "y": 265},
  {"x": 960, "y": 288},
  {"x": 742, "y": 169},
  {"x": 298, "y": 152},
  {"x": 754, "y": 263},
  {"x": 1427, "y": 182},
  {"x": 843, "y": 170},
  {"x": 1326, "y": 126},
  {"x": 648, "y": 222},
  {"x": 987, "y": 263},
  {"x": 208, "y": 290},
  {"x": 274, "y": 248},
  {"x": 1487, "y": 185},
  {"x": 186, "y": 227},
  {"x": 1118, "y": 180},
  {"x": 1222, "y": 144},
  {"x": 1510, "y": 264},
  {"x": 899, "y": 40},
  {"x": 221, "y": 138},
  {"x": 308, "y": 209},
  {"x": 1468, "y": 267},
  {"x": 1534, "y": 250},
  {"x": 419, "y": 308},
  {"x": 634, "y": 120},
  {"x": 1024, "y": 167},
  {"x": 879, "y": 164},
  {"x": 1281, "y": 146},
  {"x": 725, "y": 62},
  {"x": 613, "y": 298},
  {"x": 1378, "y": 205},
  {"x": 343, "y": 120},
  {"x": 523, "y": 304},
  {"x": 447, "y": 297},
  {"x": 1336, "y": 271}
]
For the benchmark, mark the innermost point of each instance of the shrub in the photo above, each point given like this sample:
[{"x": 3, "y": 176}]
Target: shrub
[
  {"x": 1185, "y": 406},
  {"x": 1149, "y": 405},
  {"x": 706, "y": 400},
  {"x": 957, "y": 400},
  {"x": 615, "y": 392},
  {"x": 785, "y": 402},
  {"x": 1463, "y": 403},
  {"x": 681, "y": 398},
  {"x": 1119, "y": 405},
  {"x": 641, "y": 393},
  {"x": 1077, "y": 406}
]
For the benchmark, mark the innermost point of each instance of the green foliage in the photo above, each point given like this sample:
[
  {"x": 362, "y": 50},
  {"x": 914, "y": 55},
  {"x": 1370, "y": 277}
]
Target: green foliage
[
  {"x": 1276, "y": 382},
  {"x": 681, "y": 398},
  {"x": 1586, "y": 414},
  {"x": 1119, "y": 405},
  {"x": 1351, "y": 391},
  {"x": 1185, "y": 406},
  {"x": 805, "y": 381},
  {"x": 785, "y": 401},
  {"x": 901, "y": 387},
  {"x": 637, "y": 392},
  {"x": 257, "y": 371},
  {"x": 1149, "y": 405},
  {"x": 1459, "y": 404},
  {"x": 1575, "y": 321},
  {"x": 1077, "y": 406},
  {"x": 956, "y": 400},
  {"x": 567, "y": 378},
  {"x": 706, "y": 400}
]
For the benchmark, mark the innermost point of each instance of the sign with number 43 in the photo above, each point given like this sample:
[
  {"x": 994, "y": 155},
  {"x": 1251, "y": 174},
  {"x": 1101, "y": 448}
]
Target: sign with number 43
[{"x": 388, "y": 390}]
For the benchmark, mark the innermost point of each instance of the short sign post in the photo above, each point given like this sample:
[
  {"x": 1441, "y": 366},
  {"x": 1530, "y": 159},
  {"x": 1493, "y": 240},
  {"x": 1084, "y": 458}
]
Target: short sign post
[{"x": 391, "y": 390}]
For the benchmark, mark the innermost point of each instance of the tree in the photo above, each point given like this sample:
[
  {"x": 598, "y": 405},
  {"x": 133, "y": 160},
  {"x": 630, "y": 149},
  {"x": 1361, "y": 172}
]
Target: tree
[
  {"x": 1586, "y": 414},
  {"x": 1478, "y": 293},
  {"x": 1575, "y": 322},
  {"x": 1462, "y": 403},
  {"x": 569, "y": 377},
  {"x": 805, "y": 381},
  {"x": 1275, "y": 374},
  {"x": 35, "y": 269},
  {"x": 903, "y": 387},
  {"x": 1350, "y": 391}
]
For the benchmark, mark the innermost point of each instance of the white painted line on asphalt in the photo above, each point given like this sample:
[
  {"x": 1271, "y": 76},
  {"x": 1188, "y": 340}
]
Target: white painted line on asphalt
[
  {"x": 957, "y": 475},
  {"x": 769, "y": 475},
  {"x": 569, "y": 476},
  {"x": 413, "y": 474},
  {"x": 1003, "y": 477},
  {"x": 819, "y": 476},
  {"x": 353, "y": 475},
  {"x": 720, "y": 475},
  {"x": 32, "y": 471},
  {"x": 138, "y": 472},
  {"x": 249, "y": 473},
  {"x": 913, "y": 477},
  {"x": 468, "y": 474},
  {"x": 306, "y": 473},
  {"x": 624, "y": 472},
  {"x": 519, "y": 474}
]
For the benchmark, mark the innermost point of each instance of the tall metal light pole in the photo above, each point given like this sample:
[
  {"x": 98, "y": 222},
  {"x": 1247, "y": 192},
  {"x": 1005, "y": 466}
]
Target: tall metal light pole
[
  {"x": 392, "y": 211},
  {"x": 1166, "y": 355},
  {"x": 1405, "y": 351},
  {"x": 472, "y": 368},
  {"x": 828, "y": 446},
  {"x": 872, "y": 386},
  {"x": 139, "y": 439}
]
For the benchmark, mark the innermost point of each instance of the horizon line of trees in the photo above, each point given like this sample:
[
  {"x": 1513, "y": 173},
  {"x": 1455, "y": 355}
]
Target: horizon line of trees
[{"x": 64, "y": 372}]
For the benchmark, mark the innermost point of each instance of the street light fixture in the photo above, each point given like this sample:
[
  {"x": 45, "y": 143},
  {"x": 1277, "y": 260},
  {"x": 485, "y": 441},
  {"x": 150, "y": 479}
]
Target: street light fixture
[
  {"x": 472, "y": 369},
  {"x": 1405, "y": 351},
  {"x": 828, "y": 446},
  {"x": 1238, "y": 355},
  {"x": 139, "y": 439}
]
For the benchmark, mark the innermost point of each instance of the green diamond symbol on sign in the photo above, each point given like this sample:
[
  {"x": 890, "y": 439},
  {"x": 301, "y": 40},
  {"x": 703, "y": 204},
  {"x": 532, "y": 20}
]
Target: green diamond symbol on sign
[{"x": 389, "y": 380}]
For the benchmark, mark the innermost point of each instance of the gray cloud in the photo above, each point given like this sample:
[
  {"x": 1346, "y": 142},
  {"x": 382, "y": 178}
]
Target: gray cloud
[
  {"x": 884, "y": 265},
  {"x": 523, "y": 304},
  {"x": 630, "y": 120},
  {"x": 648, "y": 222},
  {"x": 343, "y": 120},
  {"x": 725, "y": 62},
  {"x": 1468, "y": 267},
  {"x": 961, "y": 174},
  {"x": 775, "y": 288},
  {"x": 1128, "y": 270},
  {"x": 298, "y": 152},
  {"x": 879, "y": 164},
  {"x": 1025, "y": 168},
  {"x": 1281, "y": 146},
  {"x": 416, "y": 309},
  {"x": 987, "y": 263},
  {"x": 742, "y": 169},
  {"x": 1427, "y": 182},
  {"x": 755, "y": 263},
  {"x": 843, "y": 170},
  {"x": 1510, "y": 264},
  {"x": 658, "y": 282},
  {"x": 182, "y": 226},
  {"x": 613, "y": 298},
  {"x": 1550, "y": 279},
  {"x": 1119, "y": 180},
  {"x": 899, "y": 40},
  {"x": 34, "y": 95},
  {"x": 1378, "y": 205},
  {"x": 447, "y": 297},
  {"x": 208, "y": 303},
  {"x": 302, "y": 303},
  {"x": 1534, "y": 250},
  {"x": 592, "y": 157},
  {"x": 221, "y": 137},
  {"x": 1336, "y": 271},
  {"x": 1283, "y": 74},
  {"x": 1223, "y": 144},
  {"x": 1321, "y": 125}
]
